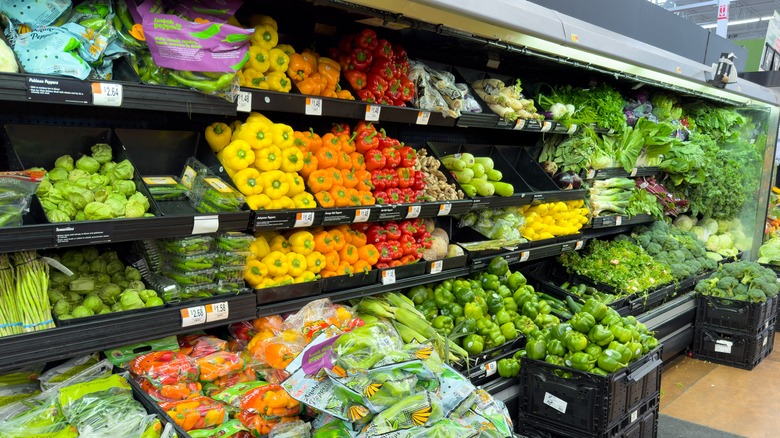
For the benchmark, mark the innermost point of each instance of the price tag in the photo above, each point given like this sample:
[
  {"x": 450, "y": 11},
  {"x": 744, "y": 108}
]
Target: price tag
[
  {"x": 423, "y": 117},
  {"x": 723, "y": 346},
  {"x": 414, "y": 211},
  {"x": 303, "y": 219},
  {"x": 62, "y": 268},
  {"x": 361, "y": 215},
  {"x": 490, "y": 368},
  {"x": 372, "y": 113},
  {"x": 444, "y": 209},
  {"x": 436, "y": 266},
  {"x": 524, "y": 255},
  {"x": 578, "y": 245},
  {"x": 244, "y": 102},
  {"x": 546, "y": 126},
  {"x": 193, "y": 316},
  {"x": 572, "y": 128},
  {"x": 634, "y": 416},
  {"x": 388, "y": 276},
  {"x": 555, "y": 402},
  {"x": 205, "y": 224},
  {"x": 633, "y": 172},
  {"x": 217, "y": 311},
  {"x": 618, "y": 221},
  {"x": 106, "y": 94},
  {"x": 591, "y": 174},
  {"x": 765, "y": 341},
  {"x": 313, "y": 106},
  {"x": 520, "y": 124}
]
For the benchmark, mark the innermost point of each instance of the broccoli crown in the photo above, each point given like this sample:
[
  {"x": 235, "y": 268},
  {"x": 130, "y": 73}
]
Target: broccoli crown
[
  {"x": 741, "y": 280},
  {"x": 679, "y": 249}
]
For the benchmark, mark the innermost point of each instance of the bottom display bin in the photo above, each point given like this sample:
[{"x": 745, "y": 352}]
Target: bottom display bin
[
  {"x": 288, "y": 292},
  {"x": 343, "y": 282},
  {"x": 587, "y": 402},
  {"x": 731, "y": 348}
]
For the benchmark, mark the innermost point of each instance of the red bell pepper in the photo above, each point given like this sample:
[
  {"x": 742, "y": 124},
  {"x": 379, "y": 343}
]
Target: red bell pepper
[
  {"x": 393, "y": 230},
  {"x": 345, "y": 61},
  {"x": 385, "y": 252},
  {"x": 361, "y": 226},
  {"x": 377, "y": 85},
  {"x": 384, "y": 100},
  {"x": 365, "y": 126},
  {"x": 346, "y": 44},
  {"x": 419, "y": 195},
  {"x": 378, "y": 179},
  {"x": 394, "y": 90},
  {"x": 376, "y": 234},
  {"x": 408, "y": 156},
  {"x": 403, "y": 68},
  {"x": 396, "y": 249},
  {"x": 384, "y": 50},
  {"x": 340, "y": 128},
  {"x": 419, "y": 181},
  {"x": 366, "y": 140},
  {"x": 408, "y": 195},
  {"x": 356, "y": 79},
  {"x": 391, "y": 178},
  {"x": 375, "y": 159},
  {"x": 408, "y": 245},
  {"x": 407, "y": 89},
  {"x": 366, "y": 96},
  {"x": 382, "y": 265},
  {"x": 381, "y": 197},
  {"x": 407, "y": 227},
  {"x": 392, "y": 157},
  {"x": 361, "y": 59},
  {"x": 386, "y": 69},
  {"x": 405, "y": 178},
  {"x": 366, "y": 39},
  {"x": 399, "y": 54},
  {"x": 425, "y": 240},
  {"x": 394, "y": 196},
  {"x": 384, "y": 140}
]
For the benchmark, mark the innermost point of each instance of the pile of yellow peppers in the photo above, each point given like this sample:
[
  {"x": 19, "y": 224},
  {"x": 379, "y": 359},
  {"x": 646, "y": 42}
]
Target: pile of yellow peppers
[
  {"x": 279, "y": 260},
  {"x": 268, "y": 61},
  {"x": 553, "y": 219},
  {"x": 263, "y": 162}
]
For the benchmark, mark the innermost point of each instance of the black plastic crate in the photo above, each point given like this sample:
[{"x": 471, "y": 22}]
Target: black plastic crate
[
  {"x": 587, "y": 402},
  {"x": 482, "y": 367},
  {"x": 731, "y": 348},
  {"x": 654, "y": 298},
  {"x": 640, "y": 423},
  {"x": 734, "y": 315}
]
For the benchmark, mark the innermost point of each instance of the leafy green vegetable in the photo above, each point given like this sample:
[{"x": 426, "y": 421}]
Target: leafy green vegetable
[
  {"x": 644, "y": 202},
  {"x": 601, "y": 105},
  {"x": 769, "y": 253}
]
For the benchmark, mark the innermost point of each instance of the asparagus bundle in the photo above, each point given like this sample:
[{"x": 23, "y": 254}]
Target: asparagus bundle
[
  {"x": 10, "y": 321},
  {"x": 32, "y": 284}
]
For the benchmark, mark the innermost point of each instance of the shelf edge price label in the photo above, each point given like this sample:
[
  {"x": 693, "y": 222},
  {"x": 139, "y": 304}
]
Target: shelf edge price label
[
  {"x": 193, "y": 316},
  {"x": 444, "y": 209},
  {"x": 578, "y": 245},
  {"x": 546, "y": 126},
  {"x": 572, "y": 128},
  {"x": 313, "y": 106},
  {"x": 205, "y": 224},
  {"x": 591, "y": 174},
  {"x": 388, "y": 276},
  {"x": 618, "y": 221},
  {"x": 106, "y": 94},
  {"x": 244, "y": 99},
  {"x": 520, "y": 124},
  {"x": 633, "y": 172},
  {"x": 305, "y": 219},
  {"x": 525, "y": 255},
  {"x": 372, "y": 113},
  {"x": 634, "y": 416},
  {"x": 436, "y": 266},
  {"x": 217, "y": 311},
  {"x": 423, "y": 117},
  {"x": 361, "y": 215},
  {"x": 490, "y": 368},
  {"x": 413, "y": 212}
]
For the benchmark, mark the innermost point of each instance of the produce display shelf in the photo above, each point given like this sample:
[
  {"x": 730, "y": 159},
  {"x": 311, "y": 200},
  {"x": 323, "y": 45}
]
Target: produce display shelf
[
  {"x": 122, "y": 329},
  {"x": 519, "y": 256},
  {"x": 503, "y": 389},
  {"x": 619, "y": 172},
  {"x": 616, "y": 221}
]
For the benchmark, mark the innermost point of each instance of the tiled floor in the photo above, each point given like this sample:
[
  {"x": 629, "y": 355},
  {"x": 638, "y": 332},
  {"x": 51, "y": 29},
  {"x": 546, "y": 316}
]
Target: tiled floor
[{"x": 745, "y": 403}]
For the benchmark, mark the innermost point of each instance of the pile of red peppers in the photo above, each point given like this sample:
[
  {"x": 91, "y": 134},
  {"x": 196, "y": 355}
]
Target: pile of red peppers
[{"x": 399, "y": 243}]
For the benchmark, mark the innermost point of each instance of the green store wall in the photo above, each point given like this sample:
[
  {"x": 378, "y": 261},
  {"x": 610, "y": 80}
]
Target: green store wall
[{"x": 754, "y": 49}]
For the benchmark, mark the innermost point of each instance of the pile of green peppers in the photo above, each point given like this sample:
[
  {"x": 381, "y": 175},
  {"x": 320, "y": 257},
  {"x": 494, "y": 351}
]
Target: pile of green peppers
[{"x": 596, "y": 340}]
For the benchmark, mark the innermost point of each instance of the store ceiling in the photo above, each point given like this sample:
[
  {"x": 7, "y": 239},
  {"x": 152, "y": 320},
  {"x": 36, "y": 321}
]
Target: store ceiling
[{"x": 748, "y": 18}]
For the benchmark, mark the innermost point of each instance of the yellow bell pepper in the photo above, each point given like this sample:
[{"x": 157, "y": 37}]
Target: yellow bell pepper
[
  {"x": 302, "y": 243},
  {"x": 255, "y": 116},
  {"x": 259, "y": 59},
  {"x": 286, "y": 48},
  {"x": 257, "y": 20},
  {"x": 305, "y": 277},
  {"x": 218, "y": 136},
  {"x": 279, "y": 61},
  {"x": 265, "y": 37},
  {"x": 255, "y": 272},
  {"x": 276, "y": 263},
  {"x": 241, "y": 78},
  {"x": 292, "y": 160},
  {"x": 283, "y": 280},
  {"x": 268, "y": 158},
  {"x": 304, "y": 200},
  {"x": 280, "y": 244},
  {"x": 238, "y": 155},
  {"x": 248, "y": 181},
  {"x": 286, "y": 202},
  {"x": 283, "y": 136},
  {"x": 256, "y": 133},
  {"x": 296, "y": 184},
  {"x": 278, "y": 81},
  {"x": 315, "y": 262},
  {"x": 296, "y": 264},
  {"x": 260, "y": 247},
  {"x": 275, "y": 184},
  {"x": 255, "y": 79},
  {"x": 258, "y": 202}
]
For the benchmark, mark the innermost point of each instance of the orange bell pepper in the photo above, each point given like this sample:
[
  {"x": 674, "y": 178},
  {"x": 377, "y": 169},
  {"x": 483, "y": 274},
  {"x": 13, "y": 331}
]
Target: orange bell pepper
[
  {"x": 366, "y": 198},
  {"x": 340, "y": 197},
  {"x": 369, "y": 253},
  {"x": 309, "y": 86},
  {"x": 320, "y": 181},
  {"x": 348, "y": 142},
  {"x": 311, "y": 60},
  {"x": 323, "y": 242},
  {"x": 331, "y": 140},
  {"x": 310, "y": 164},
  {"x": 279, "y": 354},
  {"x": 335, "y": 174},
  {"x": 326, "y": 157},
  {"x": 301, "y": 140},
  {"x": 298, "y": 69},
  {"x": 349, "y": 254},
  {"x": 344, "y": 162},
  {"x": 315, "y": 141},
  {"x": 361, "y": 266},
  {"x": 338, "y": 239},
  {"x": 364, "y": 181},
  {"x": 354, "y": 197},
  {"x": 345, "y": 269},
  {"x": 348, "y": 178},
  {"x": 195, "y": 413},
  {"x": 357, "y": 238},
  {"x": 329, "y": 93},
  {"x": 331, "y": 261},
  {"x": 271, "y": 323},
  {"x": 219, "y": 364},
  {"x": 358, "y": 161},
  {"x": 325, "y": 200},
  {"x": 345, "y": 94}
]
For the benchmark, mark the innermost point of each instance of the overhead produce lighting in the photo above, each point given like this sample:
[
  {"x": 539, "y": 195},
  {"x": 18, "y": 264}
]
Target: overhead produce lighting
[{"x": 737, "y": 22}]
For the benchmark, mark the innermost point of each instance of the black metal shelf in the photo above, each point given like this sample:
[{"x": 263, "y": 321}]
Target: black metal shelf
[
  {"x": 619, "y": 172},
  {"x": 617, "y": 221}
]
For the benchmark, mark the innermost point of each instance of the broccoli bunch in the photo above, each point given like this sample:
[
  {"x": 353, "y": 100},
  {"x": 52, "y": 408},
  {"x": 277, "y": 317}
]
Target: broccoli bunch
[
  {"x": 743, "y": 281},
  {"x": 681, "y": 250}
]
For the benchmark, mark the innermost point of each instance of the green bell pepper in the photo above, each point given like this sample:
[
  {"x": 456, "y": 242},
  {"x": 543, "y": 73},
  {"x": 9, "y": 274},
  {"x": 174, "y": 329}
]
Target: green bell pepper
[
  {"x": 524, "y": 324},
  {"x": 599, "y": 372},
  {"x": 625, "y": 353},
  {"x": 649, "y": 344},
  {"x": 510, "y": 304},
  {"x": 419, "y": 294},
  {"x": 472, "y": 310},
  {"x": 582, "y": 322},
  {"x": 501, "y": 317},
  {"x": 473, "y": 344},
  {"x": 498, "y": 266},
  {"x": 463, "y": 295},
  {"x": 582, "y": 361},
  {"x": 609, "y": 361},
  {"x": 575, "y": 341},
  {"x": 629, "y": 320},
  {"x": 600, "y": 335},
  {"x": 636, "y": 350},
  {"x": 520, "y": 354},
  {"x": 544, "y": 307},
  {"x": 484, "y": 325},
  {"x": 536, "y": 349},
  {"x": 621, "y": 334},
  {"x": 443, "y": 297},
  {"x": 545, "y": 321},
  {"x": 465, "y": 325},
  {"x": 508, "y": 368},
  {"x": 521, "y": 296},
  {"x": 509, "y": 331},
  {"x": 495, "y": 338},
  {"x": 593, "y": 350},
  {"x": 429, "y": 309},
  {"x": 559, "y": 331},
  {"x": 494, "y": 303},
  {"x": 482, "y": 301},
  {"x": 452, "y": 310},
  {"x": 515, "y": 280},
  {"x": 530, "y": 309},
  {"x": 595, "y": 308},
  {"x": 447, "y": 284},
  {"x": 443, "y": 324},
  {"x": 556, "y": 347},
  {"x": 504, "y": 291},
  {"x": 610, "y": 320},
  {"x": 490, "y": 282},
  {"x": 555, "y": 360}
]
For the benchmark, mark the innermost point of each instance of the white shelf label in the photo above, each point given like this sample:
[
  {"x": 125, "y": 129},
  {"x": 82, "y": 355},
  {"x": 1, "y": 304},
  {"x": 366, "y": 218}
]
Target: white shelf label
[
  {"x": 313, "y": 106},
  {"x": 361, "y": 215},
  {"x": 436, "y": 266},
  {"x": 193, "y": 316},
  {"x": 244, "y": 102},
  {"x": 763, "y": 344},
  {"x": 520, "y": 124},
  {"x": 591, "y": 174},
  {"x": 546, "y": 126},
  {"x": 217, "y": 311},
  {"x": 205, "y": 224},
  {"x": 423, "y": 117},
  {"x": 525, "y": 255},
  {"x": 723, "y": 346},
  {"x": 414, "y": 211},
  {"x": 618, "y": 220},
  {"x": 304, "y": 219},
  {"x": 555, "y": 402},
  {"x": 388, "y": 276},
  {"x": 572, "y": 128},
  {"x": 444, "y": 209},
  {"x": 578, "y": 245},
  {"x": 633, "y": 172},
  {"x": 106, "y": 94},
  {"x": 634, "y": 416},
  {"x": 490, "y": 368},
  {"x": 372, "y": 113}
]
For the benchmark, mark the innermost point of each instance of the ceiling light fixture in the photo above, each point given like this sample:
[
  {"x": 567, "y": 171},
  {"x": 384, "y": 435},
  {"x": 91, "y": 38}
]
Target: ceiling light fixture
[{"x": 737, "y": 22}]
